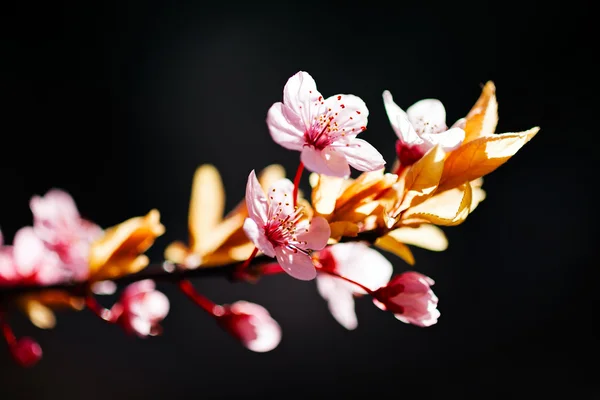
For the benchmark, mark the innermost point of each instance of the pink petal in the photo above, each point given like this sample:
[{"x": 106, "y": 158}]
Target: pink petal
[
  {"x": 449, "y": 140},
  {"x": 28, "y": 251},
  {"x": 8, "y": 269},
  {"x": 317, "y": 236},
  {"x": 301, "y": 96},
  {"x": 348, "y": 112},
  {"x": 284, "y": 132},
  {"x": 267, "y": 332},
  {"x": 327, "y": 162},
  {"x": 280, "y": 198},
  {"x": 1, "y": 239},
  {"x": 339, "y": 300},
  {"x": 395, "y": 114},
  {"x": 430, "y": 110},
  {"x": 142, "y": 327},
  {"x": 56, "y": 206},
  {"x": 362, "y": 264},
  {"x": 296, "y": 264},
  {"x": 407, "y": 133},
  {"x": 362, "y": 155},
  {"x": 257, "y": 236},
  {"x": 256, "y": 201},
  {"x": 156, "y": 306}
]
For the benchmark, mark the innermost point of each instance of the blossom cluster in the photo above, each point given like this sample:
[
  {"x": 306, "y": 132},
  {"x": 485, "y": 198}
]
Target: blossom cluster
[{"x": 332, "y": 235}]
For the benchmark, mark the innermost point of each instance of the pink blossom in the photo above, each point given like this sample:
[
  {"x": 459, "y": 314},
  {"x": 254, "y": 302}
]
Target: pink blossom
[
  {"x": 280, "y": 230},
  {"x": 28, "y": 261},
  {"x": 26, "y": 352},
  {"x": 410, "y": 298},
  {"x": 324, "y": 130},
  {"x": 421, "y": 127},
  {"x": 251, "y": 324},
  {"x": 355, "y": 261},
  {"x": 142, "y": 308},
  {"x": 58, "y": 223}
]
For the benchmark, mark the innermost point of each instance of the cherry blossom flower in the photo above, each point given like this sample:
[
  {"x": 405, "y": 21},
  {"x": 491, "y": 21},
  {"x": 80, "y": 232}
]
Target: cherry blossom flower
[
  {"x": 280, "y": 230},
  {"x": 142, "y": 308},
  {"x": 251, "y": 324},
  {"x": 26, "y": 352},
  {"x": 410, "y": 298},
  {"x": 421, "y": 127},
  {"x": 58, "y": 223},
  {"x": 355, "y": 261},
  {"x": 323, "y": 130},
  {"x": 28, "y": 261}
]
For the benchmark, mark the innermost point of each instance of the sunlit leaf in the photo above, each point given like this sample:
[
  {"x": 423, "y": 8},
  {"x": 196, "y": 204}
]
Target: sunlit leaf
[
  {"x": 483, "y": 117},
  {"x": 448, "y": 208},
  {"x": 481, "y": 156},
  {"x": 391, "y": 244},
  {"x": 207, "y": 204},
  {"x": 325, "y": 192},
  {"x": 427, "y": 236},
  {"x": 343, "y": 228}
]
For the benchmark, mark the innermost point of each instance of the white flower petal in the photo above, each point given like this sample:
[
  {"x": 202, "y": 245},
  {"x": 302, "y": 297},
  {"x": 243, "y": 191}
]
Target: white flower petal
[
  {"x": 327, "y": 162},
  {"x": 301, "y": 96},
  {"x": 257, "y": 236},
  {"x": 429, "y": 110},
  {"x": 286, "y": 133},
  {"x": 256, "y": 201},
  {"x": 362, "y": 155},
  {"x": 395, "y": 114},
  {"x": 296, "y": 264}
]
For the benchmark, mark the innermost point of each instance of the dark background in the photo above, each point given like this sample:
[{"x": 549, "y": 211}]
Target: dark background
[{"x": 118, "y": 104}]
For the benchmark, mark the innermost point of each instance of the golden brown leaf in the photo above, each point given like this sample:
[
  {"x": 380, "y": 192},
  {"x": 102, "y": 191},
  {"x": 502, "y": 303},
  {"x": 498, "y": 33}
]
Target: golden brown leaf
[
  {"x": 207, "y": 204},
  {"x": 343, "y": 228},
  {"x": 483, "y": 117},
  {"x": 422, "y": 178},
  {"x": 427, "y": 236},
  {"x": 325, "y": 192},
  {"x": 448, "y": 208},
  {"x": 389, "y": 243},
  {"x": 481, "y": 156},
  {"x": 38, "y": 306},
  {"x": 119, "y": 251}
]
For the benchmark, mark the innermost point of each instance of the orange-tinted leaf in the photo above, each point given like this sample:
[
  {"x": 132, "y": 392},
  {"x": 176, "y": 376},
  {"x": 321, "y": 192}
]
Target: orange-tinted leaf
[
  {"x": 325, "y": 192},
  {"x": 481, "y": 156},
  {"x": 119, "y": 251},
  {"x": 422, "y": 178},
  {"x": 207, "y": 204},
  {"x": 389, "y": 243},
  {"x": 483, "y": 117},
  {"x": 447, "y": 208},
  {"x": 427, "y": 236},
  {"x": 343, "y": 228}
]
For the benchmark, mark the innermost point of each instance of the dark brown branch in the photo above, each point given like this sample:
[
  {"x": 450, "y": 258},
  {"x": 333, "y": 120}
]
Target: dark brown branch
[{"x": 159, "y": 273}]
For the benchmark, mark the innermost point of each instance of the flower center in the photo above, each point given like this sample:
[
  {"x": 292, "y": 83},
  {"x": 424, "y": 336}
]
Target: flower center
[
  {"x": 323, "y": 132},
  {"x": 423, "y": 125},
  {"x": 281, "y": 229}
]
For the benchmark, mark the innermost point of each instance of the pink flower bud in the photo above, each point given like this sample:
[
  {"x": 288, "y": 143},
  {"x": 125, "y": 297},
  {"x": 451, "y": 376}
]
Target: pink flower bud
[
  {"x": 410, "y": 298},
  {"x": 142, "y": 308},
  {"x": 251, "y": 324},
  {"x": 26, "y": 352}
]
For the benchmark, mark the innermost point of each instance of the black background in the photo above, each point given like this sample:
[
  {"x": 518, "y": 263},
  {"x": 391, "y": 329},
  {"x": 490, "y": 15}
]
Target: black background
[{"x": 118, "y": 104}]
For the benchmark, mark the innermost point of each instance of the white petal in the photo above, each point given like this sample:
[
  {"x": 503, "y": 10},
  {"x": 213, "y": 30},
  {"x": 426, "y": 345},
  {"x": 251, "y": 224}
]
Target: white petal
[
  {"x": 317, "y": 236},
  {"x": 339, "y": 300},
  {"x": 449, "y": 140},
  {"x": 301, "y": 96},
  {"x": 297, "y": 264},
  {"x": 327, "y": 162},
  {"x": 28, "y": 250},
  {"x": 257, "y": 236},
  {"x": 281, "y": 198},
  {"x": 286, "y": 133},
  {"x": 395, "y": 114},
  {"x": 362, "y": 155},
  {"x": 347, "y": 112},
  {"x": 406, "y": 132},
  {"x": 430, "y": 110},
  {"x": 256, "y": 201},
  {"x": 363, "y": 264}
]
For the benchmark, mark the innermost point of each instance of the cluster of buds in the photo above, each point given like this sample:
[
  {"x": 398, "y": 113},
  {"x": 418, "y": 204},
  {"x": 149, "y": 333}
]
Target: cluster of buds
[{"x": 331, "y": 236}]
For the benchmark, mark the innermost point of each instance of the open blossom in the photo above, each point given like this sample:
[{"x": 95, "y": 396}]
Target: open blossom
[
  {"x": 142, "y": 308},
  {"x": 28, "y": 261},
  {"x": 323, "y": 130},
  {"x": 355, "y": 261},
  {"x": 58, "y": 223},
  {"x": 410, "y": 298},
  {"x": 280, "y": 230},
  {"x": 421, "y": 127},
  {"x": 251, "y": 324}
]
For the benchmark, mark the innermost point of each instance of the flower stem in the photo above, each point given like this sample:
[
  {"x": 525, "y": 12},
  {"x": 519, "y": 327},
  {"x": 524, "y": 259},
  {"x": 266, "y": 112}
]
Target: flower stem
[
  {"x": 333, "y": 273},
  {"x": 297, "y": 181},
  {"x": 95, "y": 307},
  {"x": 249, "y": 259},
  {"x": 7, "y": 331},
  {"x": 203, "y": 302}
]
